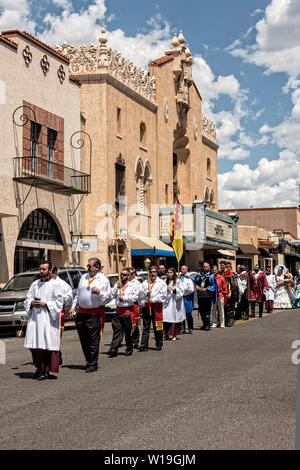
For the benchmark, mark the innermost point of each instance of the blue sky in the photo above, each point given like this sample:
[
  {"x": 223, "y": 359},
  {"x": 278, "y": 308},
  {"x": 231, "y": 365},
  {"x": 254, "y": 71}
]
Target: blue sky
[{"x": 246, "y": 66}]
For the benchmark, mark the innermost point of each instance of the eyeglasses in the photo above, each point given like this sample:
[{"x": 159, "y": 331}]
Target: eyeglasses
[
  {"x": 153, "y": 272},
  {"x": 122, "y": 274}
]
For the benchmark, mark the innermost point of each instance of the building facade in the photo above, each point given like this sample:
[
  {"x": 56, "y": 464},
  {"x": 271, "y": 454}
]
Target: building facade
[
  {"x": 40, "y": 181},
  {"x": 151, "y": 146},
  {"x": 270, "y": 236}
]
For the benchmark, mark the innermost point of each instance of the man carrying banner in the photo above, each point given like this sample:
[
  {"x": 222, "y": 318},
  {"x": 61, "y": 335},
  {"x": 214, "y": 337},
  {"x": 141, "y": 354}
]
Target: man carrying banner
[{"x": 155, "y": 293}]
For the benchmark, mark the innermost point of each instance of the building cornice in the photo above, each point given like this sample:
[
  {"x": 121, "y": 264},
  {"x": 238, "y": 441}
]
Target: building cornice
[
  {"x": 37, "y": 42},
  {"x": 9, "y": 42},
  {"x": 110, "y": 80},
  {"x": 210, "y": 143}
]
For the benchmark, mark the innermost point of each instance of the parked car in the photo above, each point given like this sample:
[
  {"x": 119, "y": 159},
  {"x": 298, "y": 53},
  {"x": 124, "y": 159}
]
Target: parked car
[
  {"x": 110, "y": 308},
  {"x": 13, "y": 294}
]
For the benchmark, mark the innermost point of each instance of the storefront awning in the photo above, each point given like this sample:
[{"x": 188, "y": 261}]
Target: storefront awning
[
  {"x": 145, "y": 246},
  {"x": 247, "y": 250},
  {"x": 226, "y": 254},
  {"x": 264, "y": 252}
]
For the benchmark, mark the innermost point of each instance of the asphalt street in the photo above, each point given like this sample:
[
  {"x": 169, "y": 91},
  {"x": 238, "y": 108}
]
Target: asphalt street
[{"x": 232, "y": 388}]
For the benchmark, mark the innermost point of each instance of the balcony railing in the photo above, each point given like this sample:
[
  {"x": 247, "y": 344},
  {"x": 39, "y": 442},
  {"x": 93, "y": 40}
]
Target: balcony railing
[{"x": 51, "y": 176}]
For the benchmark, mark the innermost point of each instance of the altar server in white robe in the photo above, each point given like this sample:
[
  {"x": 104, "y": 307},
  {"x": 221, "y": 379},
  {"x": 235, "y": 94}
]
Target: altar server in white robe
[
  {"x": 173, "y": 307},
  {"x": 43, "y": 305}
]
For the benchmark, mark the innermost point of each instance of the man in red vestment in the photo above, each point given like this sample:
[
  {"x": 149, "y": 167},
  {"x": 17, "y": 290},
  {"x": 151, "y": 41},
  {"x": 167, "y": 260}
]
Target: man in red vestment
[{"x": 258, "y": 282}]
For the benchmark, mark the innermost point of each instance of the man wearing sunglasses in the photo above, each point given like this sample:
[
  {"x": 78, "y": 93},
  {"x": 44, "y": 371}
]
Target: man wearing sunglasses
[
  {"x": 155, "y": 293},
  {"x": 123, "y": 321},
  {"x": 92, "y": 295}
]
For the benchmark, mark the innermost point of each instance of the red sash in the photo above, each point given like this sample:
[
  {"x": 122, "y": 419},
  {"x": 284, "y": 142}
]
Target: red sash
[
  {"x": 127, "y": 311},
  {"x": 156, "y": 307},
  {"x": 62, "y": 319}
]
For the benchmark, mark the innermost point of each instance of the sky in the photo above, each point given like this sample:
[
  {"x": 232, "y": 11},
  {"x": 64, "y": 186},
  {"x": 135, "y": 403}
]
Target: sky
[{"x": 246, "y": 67}]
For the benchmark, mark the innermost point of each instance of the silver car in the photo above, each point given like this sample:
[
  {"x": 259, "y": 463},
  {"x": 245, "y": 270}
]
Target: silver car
[{"x": 13, "y": 294}]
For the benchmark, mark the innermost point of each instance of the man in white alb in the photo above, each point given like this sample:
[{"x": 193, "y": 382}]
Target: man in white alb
[
  {"x": 92, "y": 295},
  {"x": 43, "y": 304}
]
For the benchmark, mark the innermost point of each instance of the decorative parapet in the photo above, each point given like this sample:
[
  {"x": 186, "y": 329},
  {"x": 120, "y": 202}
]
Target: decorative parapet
[
  {"x": 209, "y": 129},
  {"x": 90, "y": 58}
]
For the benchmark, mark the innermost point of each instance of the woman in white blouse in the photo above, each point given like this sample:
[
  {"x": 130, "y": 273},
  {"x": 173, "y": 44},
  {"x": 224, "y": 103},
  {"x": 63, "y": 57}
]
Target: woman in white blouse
[{"x": 173, "y": 307}]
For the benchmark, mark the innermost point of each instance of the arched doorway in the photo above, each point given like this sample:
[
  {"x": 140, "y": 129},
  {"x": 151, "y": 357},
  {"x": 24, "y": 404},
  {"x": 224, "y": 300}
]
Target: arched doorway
[{"x": 38, "y": 234}]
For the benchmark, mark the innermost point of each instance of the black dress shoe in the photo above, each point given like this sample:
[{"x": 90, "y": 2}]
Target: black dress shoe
[
  {"x": 37, "y": 374},
  {"x": 128, "y": 353},
  {"x": 112, "y": 353},
  {"x": 43, "y": 376},
  {"x": 143, "y": 348},
  {"x": 91, "y": 369},
  {"x": 158, "y": 348}
]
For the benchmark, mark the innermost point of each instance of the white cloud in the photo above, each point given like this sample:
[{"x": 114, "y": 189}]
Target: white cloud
[
  {"x": 271, "y": 183},
  {"x": 256, "y": 12},
  {"x": 286, "y": 134},
  {"x": 72, "y": 26},
  {"x": 16, "y": 15},
  {"x": 277, "y": 46}
]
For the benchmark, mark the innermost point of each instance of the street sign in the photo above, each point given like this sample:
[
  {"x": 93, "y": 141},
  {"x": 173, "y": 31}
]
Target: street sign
[{"x": 85, "y": 244}]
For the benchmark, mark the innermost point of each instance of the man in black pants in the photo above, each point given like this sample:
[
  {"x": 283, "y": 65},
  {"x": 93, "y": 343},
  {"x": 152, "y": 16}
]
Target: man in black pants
[
  {"x": 93, "y": 292},
  {"x": 126, "y": 295},
  {"x": 206, "y": 287},
  {"x": 155, "y": 292}
]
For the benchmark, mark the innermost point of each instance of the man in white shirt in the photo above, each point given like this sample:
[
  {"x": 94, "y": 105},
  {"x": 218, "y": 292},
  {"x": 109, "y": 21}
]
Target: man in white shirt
[
  {"x": 43, "y": 304},
  {"x": 92, "y": 295},
  {"x": 123, "y": 321},
  {"x": 155, "y": 293}
]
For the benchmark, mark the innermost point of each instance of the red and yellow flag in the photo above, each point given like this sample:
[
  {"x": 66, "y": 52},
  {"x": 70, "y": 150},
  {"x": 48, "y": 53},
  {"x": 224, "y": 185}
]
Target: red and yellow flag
[{"x": 176, "y": 232}]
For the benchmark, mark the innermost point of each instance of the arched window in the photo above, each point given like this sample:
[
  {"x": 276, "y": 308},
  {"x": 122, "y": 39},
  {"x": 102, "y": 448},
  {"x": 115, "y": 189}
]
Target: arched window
[
  {"x": 208, "y": 164},
  {"x": 120, "y": 180},
  {"x": 206, "y": 195},
  {"x": 39, "y": 226},
  {"x": 147, "y": 185},
  {"x": 143, "y": 134}
]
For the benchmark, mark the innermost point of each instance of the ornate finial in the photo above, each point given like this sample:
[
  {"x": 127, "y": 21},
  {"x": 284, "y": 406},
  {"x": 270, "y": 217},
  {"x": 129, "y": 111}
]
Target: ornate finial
[
  {"x": 181, "y": 37},
  {"x": 187, "y": 51},
  {"x": 103, "y": 39},
  {"x": 175, "y": 42}
]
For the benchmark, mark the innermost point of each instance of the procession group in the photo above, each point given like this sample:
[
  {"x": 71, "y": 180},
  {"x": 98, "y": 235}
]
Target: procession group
[{"x": 166, "y": 300}]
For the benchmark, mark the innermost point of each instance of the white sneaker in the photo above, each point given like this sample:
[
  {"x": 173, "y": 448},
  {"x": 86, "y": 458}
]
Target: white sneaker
[
  {"x": 214, "y": 325},
  {"x": 222, "y": 326}
]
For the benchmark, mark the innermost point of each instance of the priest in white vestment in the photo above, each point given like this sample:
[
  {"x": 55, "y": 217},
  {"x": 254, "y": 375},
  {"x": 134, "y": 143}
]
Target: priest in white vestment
[{"x": 43, "y": 305}]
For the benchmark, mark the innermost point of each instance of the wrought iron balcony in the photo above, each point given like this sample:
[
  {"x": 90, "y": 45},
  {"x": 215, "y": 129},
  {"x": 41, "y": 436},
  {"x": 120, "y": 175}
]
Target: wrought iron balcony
[{"x": 51, "y": 176}]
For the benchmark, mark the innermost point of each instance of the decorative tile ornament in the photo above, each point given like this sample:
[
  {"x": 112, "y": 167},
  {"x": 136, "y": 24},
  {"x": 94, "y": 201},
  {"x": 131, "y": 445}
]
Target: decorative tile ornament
[
  {"x": 45, "y": 65},
  {"x": 61, "y": 74},
  {"x": 27, "y": 55}
]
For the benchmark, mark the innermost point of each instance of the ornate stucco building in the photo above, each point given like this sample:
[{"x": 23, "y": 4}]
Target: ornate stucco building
[
  {"x": 151, "y": 146},
  {"x": 40, "y": 178}
]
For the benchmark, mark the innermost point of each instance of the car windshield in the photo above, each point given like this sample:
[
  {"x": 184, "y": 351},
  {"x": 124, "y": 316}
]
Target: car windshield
[
  {"x": 112, "y": 280},
  {"x": 21, "y": 282}
]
